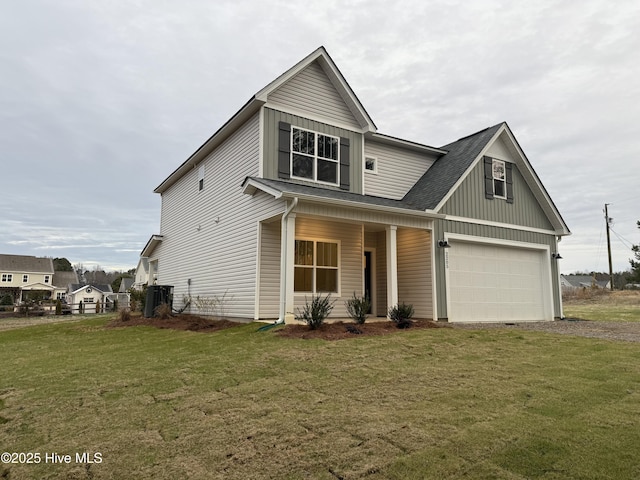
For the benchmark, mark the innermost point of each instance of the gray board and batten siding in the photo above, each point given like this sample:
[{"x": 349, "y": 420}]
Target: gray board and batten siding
[{"x": 272, "y": 119}]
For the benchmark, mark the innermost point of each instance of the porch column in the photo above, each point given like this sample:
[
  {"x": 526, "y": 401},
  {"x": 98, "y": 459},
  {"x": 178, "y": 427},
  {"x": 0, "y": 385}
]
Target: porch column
[
  {"x": 392, "y": 266},
  {"x": 287, "y": 250}
]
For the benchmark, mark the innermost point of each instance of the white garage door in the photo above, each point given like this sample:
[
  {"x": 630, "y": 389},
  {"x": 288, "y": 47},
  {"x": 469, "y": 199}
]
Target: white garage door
[{"x": 496, "y": 283}]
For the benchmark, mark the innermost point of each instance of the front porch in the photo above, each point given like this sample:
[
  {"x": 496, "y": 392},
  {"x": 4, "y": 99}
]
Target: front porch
[{"x": 390, "y": 260}]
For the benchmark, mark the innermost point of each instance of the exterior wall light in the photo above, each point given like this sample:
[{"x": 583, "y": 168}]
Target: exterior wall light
[{"x": 443, "y": 244}]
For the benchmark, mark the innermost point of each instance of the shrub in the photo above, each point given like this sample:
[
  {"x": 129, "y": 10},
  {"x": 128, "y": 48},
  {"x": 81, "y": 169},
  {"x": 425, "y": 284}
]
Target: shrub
[
  {"x": 357, "y": 308},
  {"x": 98, "y": 306},
  {"x": 58, "y": 307},
  {"x": 163, "y": 311},
  {"x": 315, "y": 313},
  {"x": 401, "y": 315},
  {"x": 124, "y": 315}
]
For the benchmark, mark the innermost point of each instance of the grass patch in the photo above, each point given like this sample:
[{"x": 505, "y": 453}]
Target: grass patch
[
  {"x": 436, "y": 403},
  {"x": 603, "y": 305}
]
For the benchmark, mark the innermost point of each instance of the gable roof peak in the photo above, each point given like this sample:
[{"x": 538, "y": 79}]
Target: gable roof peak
[{"x": 334, "y": 74}]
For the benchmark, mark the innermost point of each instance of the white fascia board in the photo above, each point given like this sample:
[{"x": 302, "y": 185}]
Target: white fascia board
[
  {"x": 250, "y": 187},
  {"x": 464, "y": 176},
  {"x": 151, "y": 245},
  {"x": 523, "y": 162},
  {"x": 490, "y": 223},
  {"x": 235, "y": 122},
  {"x": 408, "y": 144},
  {"x": 364, "y": 206}
]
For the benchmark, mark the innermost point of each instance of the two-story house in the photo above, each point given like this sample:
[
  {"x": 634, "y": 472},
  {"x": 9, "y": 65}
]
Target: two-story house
[
  {"x": 298, "y": 193},
  {"x": 24, "y": 275}
]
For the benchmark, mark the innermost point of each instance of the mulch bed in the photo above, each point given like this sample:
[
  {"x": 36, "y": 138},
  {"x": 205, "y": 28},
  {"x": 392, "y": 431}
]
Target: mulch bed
[
  {"x": 340, "y": 330},
  {"x": 327, "y": 331},
  {"x": 192, "y": 323}
]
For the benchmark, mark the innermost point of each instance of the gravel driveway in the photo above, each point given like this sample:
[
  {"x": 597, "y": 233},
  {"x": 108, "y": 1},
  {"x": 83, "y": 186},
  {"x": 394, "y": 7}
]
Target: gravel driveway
[{"x": 622, "y": 331}]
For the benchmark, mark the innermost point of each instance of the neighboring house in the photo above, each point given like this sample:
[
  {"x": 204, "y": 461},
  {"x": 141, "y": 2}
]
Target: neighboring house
[
  {"x": 573, "y": 282},
  {"x": 22, "y": 276},
  {"x": 88, "y": 296},
  {"x": 61, "y": 282},
  {"x": 125, "y": 285},
  {"x": 299, "y": 194}
]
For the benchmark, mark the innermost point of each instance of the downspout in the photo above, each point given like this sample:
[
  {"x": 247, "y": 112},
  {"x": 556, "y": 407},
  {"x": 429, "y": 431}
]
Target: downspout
[{"x": 283, "y": 263}]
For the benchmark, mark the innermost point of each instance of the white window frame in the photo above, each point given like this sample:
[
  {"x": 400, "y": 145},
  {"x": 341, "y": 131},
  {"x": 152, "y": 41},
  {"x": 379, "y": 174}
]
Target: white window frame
[
  {"x": 495, "y": 179},
  {"x": 201, "y": 178},
  {"x": 315, "y": 157},
  {"x": 315, "y": 266},
  {"x": 25, "y": 278},
  {"x": 47, "y": 278},
  {"x": 373, "y": 171},
  {"x": 7, "y": 277}
]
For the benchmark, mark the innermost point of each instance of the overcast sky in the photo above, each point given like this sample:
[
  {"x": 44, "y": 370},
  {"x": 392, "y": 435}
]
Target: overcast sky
[{"x": 100, "y": 101}]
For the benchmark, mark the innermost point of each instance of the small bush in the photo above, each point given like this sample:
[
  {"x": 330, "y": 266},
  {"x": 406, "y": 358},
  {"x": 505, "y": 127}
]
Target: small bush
[
  {"x": 163, "y": 311},
  {"x": 401, "y": 315},
  {"x": 98, "y": 306},
  {"x": 58, "y": 307},
  {"x": 357, "y": 308},
  {"x": 124, "y": 315},
  {"x": 315, "y": 313}
]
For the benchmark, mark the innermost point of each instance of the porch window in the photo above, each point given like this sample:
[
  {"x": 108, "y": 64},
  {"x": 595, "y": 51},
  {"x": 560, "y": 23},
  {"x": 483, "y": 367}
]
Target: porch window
[
  {"x": 316, "y": 266},
  {"x": 314, "y": 156}
]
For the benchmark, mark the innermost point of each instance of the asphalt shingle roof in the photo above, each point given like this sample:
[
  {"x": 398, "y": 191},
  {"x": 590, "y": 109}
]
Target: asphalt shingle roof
[
  {"x": 427, "y": 193},
  {"x": 25, "y": 263}
]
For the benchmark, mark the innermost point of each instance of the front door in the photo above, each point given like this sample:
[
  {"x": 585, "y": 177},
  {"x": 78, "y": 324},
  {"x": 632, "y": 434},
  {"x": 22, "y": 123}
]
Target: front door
[{"x": 369, "y": 276}]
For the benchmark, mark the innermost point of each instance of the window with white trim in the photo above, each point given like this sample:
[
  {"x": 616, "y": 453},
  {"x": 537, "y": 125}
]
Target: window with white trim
[
  {"x": 499, "y": 179},
  {"x": 25, "y": 278},
  {"x": 201, "y": 178},
  {"x": 315, "y": 156},
  {"x": 371, "y": 164},
  {"x": 47, "y": 278},
  {"x": 7, "y": 277},
  {"x": 316, "y": 266}
]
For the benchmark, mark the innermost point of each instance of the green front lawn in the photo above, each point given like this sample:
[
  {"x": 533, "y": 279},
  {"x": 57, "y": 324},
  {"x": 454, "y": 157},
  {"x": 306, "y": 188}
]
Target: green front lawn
[{"x": 241, "y": 404}]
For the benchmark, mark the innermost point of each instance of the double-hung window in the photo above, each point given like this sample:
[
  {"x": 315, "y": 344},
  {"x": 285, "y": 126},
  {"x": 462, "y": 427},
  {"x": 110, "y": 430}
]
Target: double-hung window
[
  {"x": 7, "y": 277},
  {"x": 499, "y": 179},
  {"x": 316, "y": 266},
  {"x": 315, "y": 156},
  {"x": 25, "y": 278}
]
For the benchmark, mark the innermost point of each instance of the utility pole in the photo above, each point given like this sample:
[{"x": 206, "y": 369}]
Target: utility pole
[{"x": 608, "y": 221}]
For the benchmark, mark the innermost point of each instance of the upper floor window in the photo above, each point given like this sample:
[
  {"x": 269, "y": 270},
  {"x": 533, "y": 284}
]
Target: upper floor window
[
  {"x": 499, "y": 179},
  {"x": 201, "y": 178},
  {"x": 371, "y": 165},
  {"x": 7, "y": 277},
  {"x": 47, "y": 278},
  {"x": 25, "y": 278},
  {"x": 315, "y": 156}
]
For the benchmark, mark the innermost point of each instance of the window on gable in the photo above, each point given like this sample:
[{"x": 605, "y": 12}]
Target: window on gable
[
  {"x": 201, "y": 178},
  {"x": 314, "y": 156},
  {"x": 499, "y": 179},
  {"x": 316, "y": 266},
  {"x": 371, "y": 164}
]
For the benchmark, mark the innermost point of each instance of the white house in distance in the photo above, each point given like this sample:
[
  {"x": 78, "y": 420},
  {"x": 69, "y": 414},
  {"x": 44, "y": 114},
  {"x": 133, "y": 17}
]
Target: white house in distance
[
  {"x": 298, "y": 193},
  {"x": 84, "y": 298}
]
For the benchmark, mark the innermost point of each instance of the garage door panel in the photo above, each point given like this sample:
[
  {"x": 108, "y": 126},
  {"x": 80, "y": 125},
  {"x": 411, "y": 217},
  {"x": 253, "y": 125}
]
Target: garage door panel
[{"x": 495, "y": 283}]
